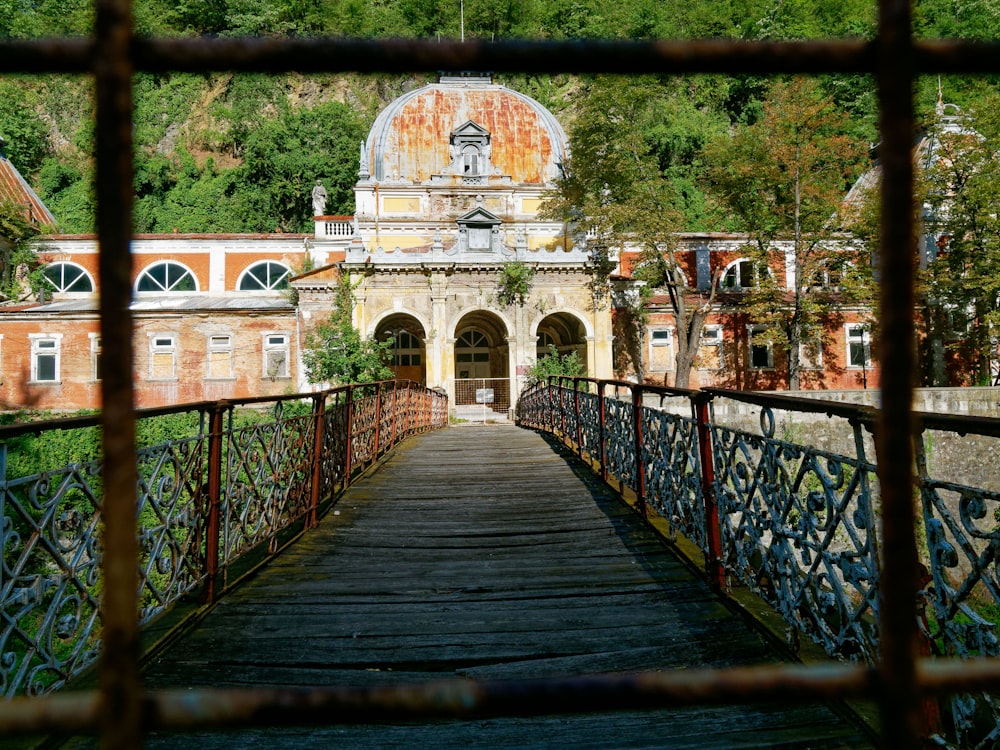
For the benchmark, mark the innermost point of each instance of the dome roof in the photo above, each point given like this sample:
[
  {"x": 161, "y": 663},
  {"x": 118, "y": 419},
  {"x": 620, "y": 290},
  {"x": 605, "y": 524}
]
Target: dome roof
[{"x": 410, "y": 138}]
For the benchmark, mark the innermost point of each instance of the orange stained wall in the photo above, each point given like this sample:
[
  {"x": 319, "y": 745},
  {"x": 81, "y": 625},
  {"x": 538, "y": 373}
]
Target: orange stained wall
[
  {"x": 417, "y": 144},
  {"x": 77, "y": 388}
]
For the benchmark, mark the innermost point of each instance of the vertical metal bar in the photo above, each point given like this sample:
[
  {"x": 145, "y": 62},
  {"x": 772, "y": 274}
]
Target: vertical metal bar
[
  {"x": 120, "y": 715},
  {"x": 898, "y": 701},
  {"x": 576, "y": 412},
  {"x": 714, "y": 568},
  {"x": 378, "y": 423},
  {"x": 602, "y": 414},
  {"x": 319, "y": 403},
  {"x": 349, "y": 441},
  {"x": 213, "y": 526},
  {"x": 640, "y": 465}
]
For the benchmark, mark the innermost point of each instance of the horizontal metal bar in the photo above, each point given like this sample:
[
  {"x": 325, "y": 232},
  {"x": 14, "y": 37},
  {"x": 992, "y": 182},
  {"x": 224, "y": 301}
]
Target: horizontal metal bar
[
  {"x": 213, "y": 708},
  {"x": 337, "y": 54}
]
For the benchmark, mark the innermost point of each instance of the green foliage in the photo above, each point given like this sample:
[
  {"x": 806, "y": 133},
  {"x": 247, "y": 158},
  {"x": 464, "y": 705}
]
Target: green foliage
[
  {"x": 17, "y": 259},
  {"x": 554, "y": 363},
  {"x": 335, "y": 352},
  {"x": 962, "y": 189},
  {"x": 784, "y": 178},
  {"x": 514, "y": 282}
]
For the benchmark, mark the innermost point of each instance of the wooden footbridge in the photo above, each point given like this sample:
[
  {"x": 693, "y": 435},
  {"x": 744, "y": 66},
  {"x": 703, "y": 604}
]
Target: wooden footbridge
[
  {"x": 344, "y": 568},
  {"x": 484, "y": 552}
]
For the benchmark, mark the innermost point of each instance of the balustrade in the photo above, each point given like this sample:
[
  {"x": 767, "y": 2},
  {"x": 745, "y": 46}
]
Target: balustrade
[
  {"x": 781, "y": 496},
  {"x": 214, "y": 482}
]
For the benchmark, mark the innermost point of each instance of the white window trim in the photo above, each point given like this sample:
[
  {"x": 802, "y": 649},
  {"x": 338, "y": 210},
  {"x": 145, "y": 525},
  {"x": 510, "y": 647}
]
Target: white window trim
[
  {"x": 95, "y": 353},
  {"x": 83, "y": 273},
  {"x": 155, "y": 348},
  {"x": 214, "y": 348},
  {"x": 753, "y": 330},
  {"x": 866, "y": 342},
  {"x": 666, "y": 342},
  {"x": 715, "y": 341},
  {"x": 36, "y": 339},
  {"x": 268, "y": 290},
  {"x": 814, "y": 364},
  {"x": 145, "y": 271},
  {"x": 285, "y": 347}
]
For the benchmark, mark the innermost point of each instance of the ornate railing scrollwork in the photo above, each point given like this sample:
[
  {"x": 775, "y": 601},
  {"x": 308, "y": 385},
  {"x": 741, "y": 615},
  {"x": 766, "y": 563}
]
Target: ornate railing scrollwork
[
  {"x": 796, "y": 520},
  {"x": 267, "y": 459}
]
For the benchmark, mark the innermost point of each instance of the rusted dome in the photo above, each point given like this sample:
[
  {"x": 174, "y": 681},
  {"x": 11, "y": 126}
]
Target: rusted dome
[{"x": 411, "y": 140}]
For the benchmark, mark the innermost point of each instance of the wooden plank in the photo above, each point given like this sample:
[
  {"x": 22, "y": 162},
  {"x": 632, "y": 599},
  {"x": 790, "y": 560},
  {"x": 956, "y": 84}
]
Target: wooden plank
[{"x": 481, "y": 552}]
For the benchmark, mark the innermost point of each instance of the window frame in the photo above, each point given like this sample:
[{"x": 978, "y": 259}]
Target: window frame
[
  {"x": 268, "y": 348},
  {"x": 271, "y": 286},
  {"x": 38, "y": 350},
  {"x": 61, "y": 289},
  {"x": 853, "y": 340},
  {"x": 146, "y": 273},
  {"x": 166, "y": 345},
  {"x": 767, "y": 348}
]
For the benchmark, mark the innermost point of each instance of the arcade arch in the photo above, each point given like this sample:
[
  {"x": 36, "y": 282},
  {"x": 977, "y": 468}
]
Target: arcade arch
[
  {"x": 408, "y": 355},
  {"x": 564, "y": 331}
]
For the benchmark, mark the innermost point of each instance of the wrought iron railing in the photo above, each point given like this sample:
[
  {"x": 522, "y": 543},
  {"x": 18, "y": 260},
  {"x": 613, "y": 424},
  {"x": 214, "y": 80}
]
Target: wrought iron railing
[
  {"x": 215, "y": 481},
  {"x": 781, "y": 496}
]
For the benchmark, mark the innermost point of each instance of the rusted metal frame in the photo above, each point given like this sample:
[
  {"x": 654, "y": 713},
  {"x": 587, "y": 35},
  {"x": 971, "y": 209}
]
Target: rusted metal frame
[
  {"x": 319, "y": 425},
  {"x": 213, "y": 526},
  {"x": 640, "y": 464},
  {"x": 349, "y": 442},
  {"x": 120, "y": 710},
  {"x": 377, "y": 442},
  {"x": 206, "y": 708},
  {"x": 602, "y": 415},
  {"x": 715, "y": 568},
  {"x": 336, "y": 54},
  {"x": 576, "y": 414},
  {"x": 858, "y": 412},
  {"x": 896, "y": 71}
]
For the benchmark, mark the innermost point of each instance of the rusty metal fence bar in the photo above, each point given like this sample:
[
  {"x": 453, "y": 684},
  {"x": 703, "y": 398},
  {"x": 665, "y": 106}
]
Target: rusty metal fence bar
[
  {"x": 894, "y": 57},
  {"x": 218, "y": 480},
  {"x": 798, "y": 524}
]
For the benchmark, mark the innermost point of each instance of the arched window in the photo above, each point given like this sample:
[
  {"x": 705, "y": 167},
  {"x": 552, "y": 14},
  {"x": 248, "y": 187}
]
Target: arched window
[
  {"x": 268, "y": 275},
  {"x": 166, "y": 276},
  {"x": 741, "y": 275},
  {"x": 67, "y": 277},
  {"x": 470, "y": 161}
]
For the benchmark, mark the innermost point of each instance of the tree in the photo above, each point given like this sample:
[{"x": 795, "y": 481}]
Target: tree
[
  {"x": 784, "y": 179},
  {"x": 961, "y": 284},
  {"x": 17, "y": 259},
  {"x": 615, "y": 189},
  {"x": 336, "y": 353}
]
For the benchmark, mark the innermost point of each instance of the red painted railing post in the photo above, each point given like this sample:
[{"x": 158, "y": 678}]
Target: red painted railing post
[
  {"x": 319, "y": 402},
  {"x": 714, "y": 568},
  {"x": 640, "y": 466},
  {"x": 213, "y": 525},
  {"x": 576, "y": 413},
  {"x": 378, "y": 422},
  {"x": 349, "y": 441},
  {"x": 603, "y": 434}
]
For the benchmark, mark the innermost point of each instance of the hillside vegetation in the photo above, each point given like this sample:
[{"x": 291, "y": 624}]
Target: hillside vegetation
[{"x": 238, "y": 153}]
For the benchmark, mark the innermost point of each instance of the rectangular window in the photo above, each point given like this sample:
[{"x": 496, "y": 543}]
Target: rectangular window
[
  {"x": 660, "y": 349},
  {"x": 95, "y": 357},
  {"x": 45, "y": 355},
  {"x": 761, "y": 353},
  {"x": 859, "y": 353},
  {"x": 710, "y": 348},
  {"x": 220, "y": 356},
  {"x": 811, "y": 355},
  {"x": 276, "y": 356},
  {"x": 163, "y": 356}
]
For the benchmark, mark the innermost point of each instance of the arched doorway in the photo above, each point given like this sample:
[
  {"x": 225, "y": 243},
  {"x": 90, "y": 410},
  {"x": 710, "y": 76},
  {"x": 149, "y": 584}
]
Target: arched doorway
[
  {"x": 408, "y": 356},
  {"x": 482, "y": 385},
  {"x": 566, "y": 333}
]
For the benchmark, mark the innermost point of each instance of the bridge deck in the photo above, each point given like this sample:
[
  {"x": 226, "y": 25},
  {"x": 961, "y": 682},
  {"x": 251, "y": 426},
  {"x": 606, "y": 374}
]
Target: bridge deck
[{"x": 483, "y": 552}]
